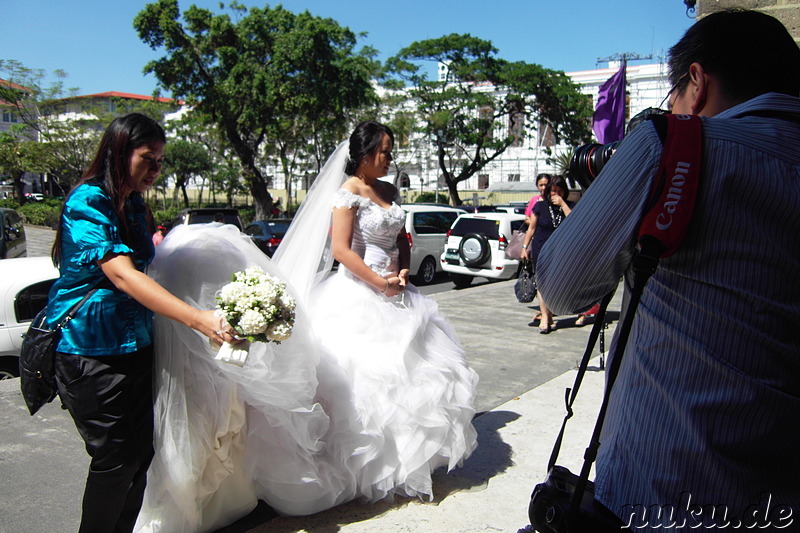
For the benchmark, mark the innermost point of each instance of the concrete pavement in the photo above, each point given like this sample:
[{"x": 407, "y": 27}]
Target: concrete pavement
[{"x": 524, "y": 376}]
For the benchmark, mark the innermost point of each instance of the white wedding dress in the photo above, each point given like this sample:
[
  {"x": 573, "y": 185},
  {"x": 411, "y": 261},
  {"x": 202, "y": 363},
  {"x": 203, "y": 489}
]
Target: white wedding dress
[{"x": 364, "y": 401}]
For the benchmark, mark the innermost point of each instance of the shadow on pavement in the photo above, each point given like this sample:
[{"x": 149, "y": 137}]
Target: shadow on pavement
[{"x": 491, "y": 458}]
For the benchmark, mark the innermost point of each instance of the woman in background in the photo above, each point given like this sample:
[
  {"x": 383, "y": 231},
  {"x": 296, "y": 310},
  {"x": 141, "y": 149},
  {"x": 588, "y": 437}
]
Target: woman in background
[
  {"x": 545, "y": 218},
  {"x": 541, "y": 182}
]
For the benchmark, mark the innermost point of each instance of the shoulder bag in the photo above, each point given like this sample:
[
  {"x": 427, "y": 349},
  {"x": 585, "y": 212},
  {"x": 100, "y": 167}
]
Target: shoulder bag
[
  {"x": 37, "y": 356},
  {"x": 514, "y": 248}
]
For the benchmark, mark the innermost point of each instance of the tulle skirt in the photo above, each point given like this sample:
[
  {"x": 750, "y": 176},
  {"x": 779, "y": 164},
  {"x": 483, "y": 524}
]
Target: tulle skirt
[{"x": 366, "y": 398}]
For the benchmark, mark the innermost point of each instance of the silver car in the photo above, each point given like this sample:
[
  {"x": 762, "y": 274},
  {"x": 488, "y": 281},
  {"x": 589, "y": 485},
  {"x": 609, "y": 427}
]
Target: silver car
[{"x": 426, "y": 228}]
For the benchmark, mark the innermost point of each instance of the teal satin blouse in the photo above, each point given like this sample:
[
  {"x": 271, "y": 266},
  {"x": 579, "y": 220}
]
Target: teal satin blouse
[{"x": 110, "y": 322}]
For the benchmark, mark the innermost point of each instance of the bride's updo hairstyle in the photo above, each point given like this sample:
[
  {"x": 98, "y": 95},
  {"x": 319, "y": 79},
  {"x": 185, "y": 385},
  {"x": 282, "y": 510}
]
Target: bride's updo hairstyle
[{"x": 364, "y": 140}]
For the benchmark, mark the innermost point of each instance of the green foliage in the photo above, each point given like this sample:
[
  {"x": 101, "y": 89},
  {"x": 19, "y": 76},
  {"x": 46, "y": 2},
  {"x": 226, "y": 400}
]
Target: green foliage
[
  {"x": 163, "y": 217},
  {"x": 431, "y": 197},
  {"x": 184, "y": 160},
  {"x": 18, "y": 155},
  {"x": 562, "y": 163},
  {"x": 266, "y": 74},
  {"x": 9, "y": 203},
  {"x": 247, "y": 214},
  {"x": 44, "y": 213},
  {"x": 486, "y": 104}
]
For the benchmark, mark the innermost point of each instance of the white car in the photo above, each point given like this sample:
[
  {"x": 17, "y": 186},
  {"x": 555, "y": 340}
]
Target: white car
[
  {"x": 24, "y": 286},
  {"x": 426, "y": 228},
  {"x": 476, "y": 247}
]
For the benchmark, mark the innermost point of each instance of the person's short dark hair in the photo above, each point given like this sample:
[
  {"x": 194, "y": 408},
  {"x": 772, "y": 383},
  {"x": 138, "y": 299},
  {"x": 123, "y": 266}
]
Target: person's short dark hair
[
  {"x": 555, "y": 181},
  {"x": 364, "y": 140},
  {"x": 219, "y": 217},
  {"x": 749, "y": 52}
]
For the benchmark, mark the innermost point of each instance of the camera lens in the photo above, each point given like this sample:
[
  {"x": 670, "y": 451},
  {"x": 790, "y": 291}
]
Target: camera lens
[{"x": 588, "y": 160}]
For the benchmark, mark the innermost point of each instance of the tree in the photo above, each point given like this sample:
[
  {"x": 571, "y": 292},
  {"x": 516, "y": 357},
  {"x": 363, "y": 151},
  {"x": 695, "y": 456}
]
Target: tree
[
  {"x": 484, "y": 104},
  {"x": 253, "y": 76},
  {"x": 184, "y": 160},
  {"x": 70, "y": 137},
  {"x": 222, "y": 176},
  {"x": 71, "y": 143},
  {"x": 18, "y": 156}
]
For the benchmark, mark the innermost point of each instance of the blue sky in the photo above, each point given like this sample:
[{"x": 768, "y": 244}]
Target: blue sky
[{"x": 95, "y": 43}]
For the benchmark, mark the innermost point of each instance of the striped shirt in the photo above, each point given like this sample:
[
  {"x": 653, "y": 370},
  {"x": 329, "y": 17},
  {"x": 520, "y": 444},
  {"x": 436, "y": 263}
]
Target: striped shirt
[{"x": 706, "y": 408}]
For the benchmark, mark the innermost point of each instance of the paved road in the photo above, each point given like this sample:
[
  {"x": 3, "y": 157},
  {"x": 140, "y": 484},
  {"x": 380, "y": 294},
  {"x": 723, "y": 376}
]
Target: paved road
[
  {"x": 46, "y": 457},
  {"x": 40, "y": 240}
]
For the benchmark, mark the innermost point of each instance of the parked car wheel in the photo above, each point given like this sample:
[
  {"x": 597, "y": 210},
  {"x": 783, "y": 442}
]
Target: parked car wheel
[
  {"x": 427, "y": 271},
  {"x": 9, "y": 367},
  {"x": 461, "y": 281},
  {"x": 474, "y": 249}
]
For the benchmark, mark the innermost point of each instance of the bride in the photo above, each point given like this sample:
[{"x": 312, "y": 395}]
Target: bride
[{"x": 368, "y": 396}]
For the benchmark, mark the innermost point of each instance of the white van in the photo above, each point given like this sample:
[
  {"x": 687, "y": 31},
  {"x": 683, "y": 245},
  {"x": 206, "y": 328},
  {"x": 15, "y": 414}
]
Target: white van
[{"x": 426, "y": 228}]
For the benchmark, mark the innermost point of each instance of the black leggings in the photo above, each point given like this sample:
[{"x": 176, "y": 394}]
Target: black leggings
[{"x": 110, "y": 399}]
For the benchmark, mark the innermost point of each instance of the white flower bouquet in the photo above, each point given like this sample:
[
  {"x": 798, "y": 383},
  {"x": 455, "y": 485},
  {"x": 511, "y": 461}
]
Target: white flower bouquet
[{"x": 259, "y": 309}]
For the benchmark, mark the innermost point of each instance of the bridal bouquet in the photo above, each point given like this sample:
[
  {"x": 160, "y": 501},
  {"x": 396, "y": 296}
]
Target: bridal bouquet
[{"x": 258, "y": 308}]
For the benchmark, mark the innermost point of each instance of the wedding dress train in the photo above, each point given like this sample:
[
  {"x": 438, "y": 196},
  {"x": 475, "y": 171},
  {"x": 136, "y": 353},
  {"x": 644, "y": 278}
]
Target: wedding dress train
[{"x": 366, "y": 398}]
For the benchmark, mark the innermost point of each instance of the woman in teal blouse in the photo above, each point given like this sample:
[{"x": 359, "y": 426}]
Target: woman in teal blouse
[{"x": 104, "y": 358}]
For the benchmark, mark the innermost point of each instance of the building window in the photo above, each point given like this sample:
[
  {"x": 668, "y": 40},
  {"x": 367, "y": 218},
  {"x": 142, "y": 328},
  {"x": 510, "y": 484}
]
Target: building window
[
  {"x": 513, "y": 177},
  {"x": 547, "y": 137},
  {"x": 483, "y": 181},
  {"x": 9, "y": 116}
]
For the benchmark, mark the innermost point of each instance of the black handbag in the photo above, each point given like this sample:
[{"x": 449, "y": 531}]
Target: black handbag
[
  {"x": 37, "y": 357},
  {"x": 525, "y": 286}
]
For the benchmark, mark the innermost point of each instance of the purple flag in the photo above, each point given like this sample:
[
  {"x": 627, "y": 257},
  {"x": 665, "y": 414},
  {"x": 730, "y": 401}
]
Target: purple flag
[{"x": 608, "y": 122}]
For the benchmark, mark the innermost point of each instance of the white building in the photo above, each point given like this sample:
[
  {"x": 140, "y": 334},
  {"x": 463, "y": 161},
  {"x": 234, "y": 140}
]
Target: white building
[{"x": 516, "y": 169}]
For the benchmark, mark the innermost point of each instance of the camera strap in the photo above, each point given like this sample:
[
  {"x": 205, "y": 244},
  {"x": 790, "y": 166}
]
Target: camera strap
[{"x": 669, "y": 212}]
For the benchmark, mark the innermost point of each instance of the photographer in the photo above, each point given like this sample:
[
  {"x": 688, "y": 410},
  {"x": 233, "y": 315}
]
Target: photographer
[{"x": 703, "y": 415}]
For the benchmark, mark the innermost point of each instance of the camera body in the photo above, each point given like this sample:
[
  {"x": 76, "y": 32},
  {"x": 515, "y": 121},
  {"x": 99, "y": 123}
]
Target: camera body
[{"x": 551, "y": 501}]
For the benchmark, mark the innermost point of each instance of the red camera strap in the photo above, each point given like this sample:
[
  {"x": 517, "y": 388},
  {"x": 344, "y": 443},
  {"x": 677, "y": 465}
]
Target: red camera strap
[
  {"x": 675, "y": 188},
  {"x": 671, "y": 204}
]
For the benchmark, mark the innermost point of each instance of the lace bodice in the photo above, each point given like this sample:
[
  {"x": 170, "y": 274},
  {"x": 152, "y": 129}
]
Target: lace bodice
[{"x": 374, "y": 231}]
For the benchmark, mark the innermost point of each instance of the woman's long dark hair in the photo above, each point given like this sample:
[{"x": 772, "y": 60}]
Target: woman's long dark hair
[
  {"x": 364, "y": 140},
  {"x": 110, "y": 165}
]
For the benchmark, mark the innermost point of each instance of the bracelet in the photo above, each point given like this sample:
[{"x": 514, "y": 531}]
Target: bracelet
[{"x": 386, "y": 288}]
